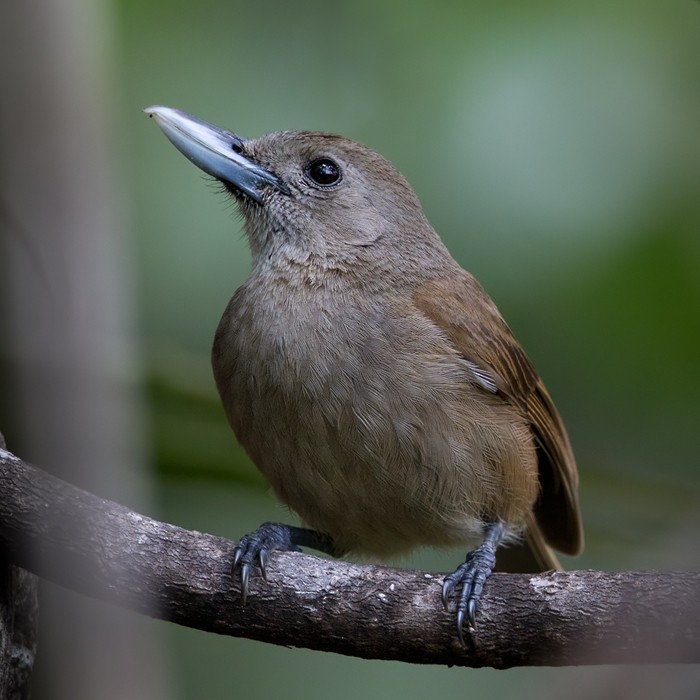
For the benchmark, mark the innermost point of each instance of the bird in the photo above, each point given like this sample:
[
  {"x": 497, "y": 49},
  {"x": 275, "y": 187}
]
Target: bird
[{"x": 370, "y": 378}]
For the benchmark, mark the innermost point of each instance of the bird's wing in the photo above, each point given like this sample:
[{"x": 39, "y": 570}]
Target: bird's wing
[{"x": 500, "y": 366}]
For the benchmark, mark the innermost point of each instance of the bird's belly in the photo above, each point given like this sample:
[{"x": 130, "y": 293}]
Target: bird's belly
[
  {"x": 377, "y": 515},
  {"x": 381, "y": 473},
  {"x": 375, "y": 435}
]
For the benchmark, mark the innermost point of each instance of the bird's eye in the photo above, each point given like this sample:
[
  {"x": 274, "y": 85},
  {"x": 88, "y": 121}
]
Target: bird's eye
[{"x": 324, "y": 172}]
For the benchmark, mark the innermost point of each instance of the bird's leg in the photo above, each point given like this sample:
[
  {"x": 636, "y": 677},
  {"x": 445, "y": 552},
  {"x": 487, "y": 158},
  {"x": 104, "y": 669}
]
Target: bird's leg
[
  {"x": 471, "y": 576},
  {"x": 256, "y": 546}
]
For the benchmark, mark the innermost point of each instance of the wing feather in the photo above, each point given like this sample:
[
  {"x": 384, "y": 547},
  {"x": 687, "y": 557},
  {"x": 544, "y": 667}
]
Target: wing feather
[{"x": 497, "y": 361}]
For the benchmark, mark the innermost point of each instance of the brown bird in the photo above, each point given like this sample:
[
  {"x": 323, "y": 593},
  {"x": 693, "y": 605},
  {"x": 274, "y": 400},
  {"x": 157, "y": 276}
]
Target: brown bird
[{"x": 369, "y": 377}]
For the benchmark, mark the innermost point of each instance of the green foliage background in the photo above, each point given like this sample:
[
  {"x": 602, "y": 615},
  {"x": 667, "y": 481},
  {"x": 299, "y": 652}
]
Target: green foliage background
[{"x": 555, "y": 148}]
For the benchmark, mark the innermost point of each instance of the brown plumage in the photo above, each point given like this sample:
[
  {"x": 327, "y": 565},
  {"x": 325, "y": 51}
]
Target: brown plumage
[
  {"x": 371, "y": 379},
  {"x": 486, "y": 340}
]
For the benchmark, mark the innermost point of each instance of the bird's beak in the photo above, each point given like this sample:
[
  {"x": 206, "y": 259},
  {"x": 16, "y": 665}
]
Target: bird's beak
[{"x": 216, "y": 151}]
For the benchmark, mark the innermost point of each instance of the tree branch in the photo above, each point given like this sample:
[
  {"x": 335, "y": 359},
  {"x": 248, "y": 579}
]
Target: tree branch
[
  {"x": 109, "y": 552},
  {"x": 18, "y": 628}
]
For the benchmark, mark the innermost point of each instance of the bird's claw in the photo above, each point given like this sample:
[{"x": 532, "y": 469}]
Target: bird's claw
[
  {"x": 469, "y": 577},
  {"x": 448, "y": 586},
  {"x": 262, "y": 561},
  {"x": 460, "y": 627},
  {"x": 245, "y": 575},
  {"x": 254, "y": 550}
]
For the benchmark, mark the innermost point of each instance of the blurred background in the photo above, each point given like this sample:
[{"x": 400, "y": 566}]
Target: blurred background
[{"x": 553, "y": 145}]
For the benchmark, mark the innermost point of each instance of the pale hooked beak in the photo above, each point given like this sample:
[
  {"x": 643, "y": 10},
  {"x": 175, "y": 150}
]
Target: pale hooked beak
[{"x": 218, "y": 152}]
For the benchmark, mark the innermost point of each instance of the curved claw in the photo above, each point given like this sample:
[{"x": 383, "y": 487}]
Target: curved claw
[
  {"x": 237, "y": 554},
  {"x": 262, "y": 560},
  {"x": 448, "y": 586},
  {"x": 471, "y": 613},
  {"x": 460, "y": 627},
  {"x": 245, "y": 576}
]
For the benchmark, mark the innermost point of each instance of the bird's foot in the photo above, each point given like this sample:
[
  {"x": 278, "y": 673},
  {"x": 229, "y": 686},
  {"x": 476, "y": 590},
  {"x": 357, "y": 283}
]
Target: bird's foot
[
  {"x": 470, "y": 577},
  {"x": 255, "y": 548}
]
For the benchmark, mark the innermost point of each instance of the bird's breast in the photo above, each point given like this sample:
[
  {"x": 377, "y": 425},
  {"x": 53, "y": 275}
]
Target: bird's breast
[{"x": 362, "y": 418}]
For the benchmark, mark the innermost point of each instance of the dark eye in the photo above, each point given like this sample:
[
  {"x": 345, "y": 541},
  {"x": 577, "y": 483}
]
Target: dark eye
[{"x": 324, "y": 172}]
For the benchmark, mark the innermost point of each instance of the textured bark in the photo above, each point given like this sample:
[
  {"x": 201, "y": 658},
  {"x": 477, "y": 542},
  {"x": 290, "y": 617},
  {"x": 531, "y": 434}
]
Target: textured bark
[
  {"x": 106, "y": 551},
  {"x": 18, "y": 627}
]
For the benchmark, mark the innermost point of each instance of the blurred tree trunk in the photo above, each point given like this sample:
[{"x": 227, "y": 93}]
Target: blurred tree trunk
[{"x": 68, "y": 368}]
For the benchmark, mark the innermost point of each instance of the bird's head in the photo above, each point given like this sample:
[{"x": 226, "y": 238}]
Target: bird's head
[{"x": 306, "y": 194}]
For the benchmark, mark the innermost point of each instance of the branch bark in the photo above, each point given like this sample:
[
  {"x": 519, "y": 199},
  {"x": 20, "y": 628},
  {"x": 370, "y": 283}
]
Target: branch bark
[
  {"x": 18, "y": 631},
  {"x": 18, "y": 628},
  {"x": 109, "y": 552}
]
